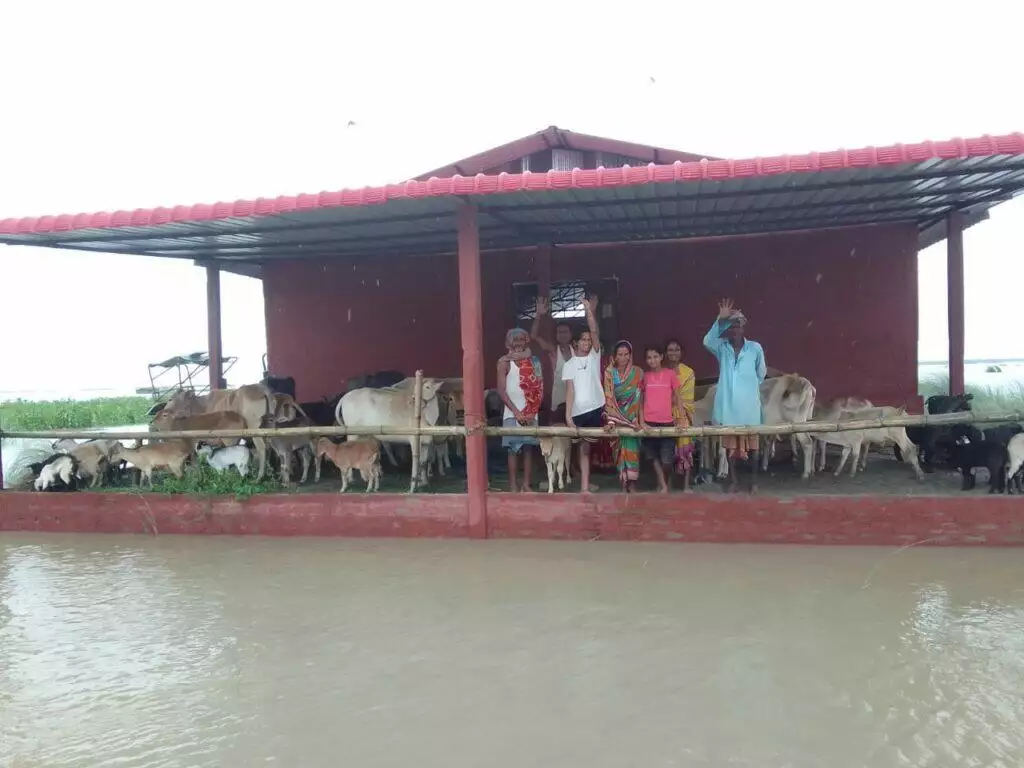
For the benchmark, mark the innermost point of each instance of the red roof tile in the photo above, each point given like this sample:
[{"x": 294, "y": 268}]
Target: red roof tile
[{"x": 714, "y": 170}]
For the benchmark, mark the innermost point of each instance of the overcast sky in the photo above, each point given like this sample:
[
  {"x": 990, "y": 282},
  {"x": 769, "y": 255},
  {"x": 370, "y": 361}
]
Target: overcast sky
[{"x": 111, "y": 105}]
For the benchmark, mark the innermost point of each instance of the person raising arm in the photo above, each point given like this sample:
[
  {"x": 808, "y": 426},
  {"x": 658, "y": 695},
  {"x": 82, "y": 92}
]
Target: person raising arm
[{"x": 584, "y": 392}]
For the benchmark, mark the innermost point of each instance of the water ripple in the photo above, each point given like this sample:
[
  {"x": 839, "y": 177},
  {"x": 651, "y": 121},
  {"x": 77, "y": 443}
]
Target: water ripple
[{"x": 182, "y": 651}]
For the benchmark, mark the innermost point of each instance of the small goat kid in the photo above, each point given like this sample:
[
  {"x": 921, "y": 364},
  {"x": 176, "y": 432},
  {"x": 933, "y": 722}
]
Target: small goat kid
[
  {"x": 556, "y": 452},
  {"x": 222, "y": 459}
]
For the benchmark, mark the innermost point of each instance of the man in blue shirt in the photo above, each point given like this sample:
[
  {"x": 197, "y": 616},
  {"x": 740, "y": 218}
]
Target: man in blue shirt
[{"x": 741, "y": 369}]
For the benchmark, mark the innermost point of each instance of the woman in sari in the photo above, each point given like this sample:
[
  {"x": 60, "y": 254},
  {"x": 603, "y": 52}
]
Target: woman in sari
[
  {"x": 684, "y": 409},
  {"x": 622, "y": 408}
]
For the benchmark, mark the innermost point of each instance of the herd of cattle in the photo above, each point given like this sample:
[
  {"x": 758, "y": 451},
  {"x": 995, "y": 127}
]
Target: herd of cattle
[
  {"x": 383, "y": 400},
  {"x": 387, "y": 399}
]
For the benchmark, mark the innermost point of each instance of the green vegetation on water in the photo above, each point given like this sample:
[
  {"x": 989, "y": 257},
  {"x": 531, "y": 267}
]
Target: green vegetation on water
[{"x": 39, "y": 415}]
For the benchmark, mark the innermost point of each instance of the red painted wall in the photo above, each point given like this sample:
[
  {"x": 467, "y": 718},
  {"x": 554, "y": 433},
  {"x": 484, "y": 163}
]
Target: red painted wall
[
  {"x": 960, "y": 520},
  {"x": 838, "y": 306}
]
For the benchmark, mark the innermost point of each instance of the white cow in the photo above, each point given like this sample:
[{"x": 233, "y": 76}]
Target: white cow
[
  {"x": 853, "y": 440},
  {"x": 785, "y": 399},
  {"x": 832, "y": 411},
  {"x": 393, "y": 407}
]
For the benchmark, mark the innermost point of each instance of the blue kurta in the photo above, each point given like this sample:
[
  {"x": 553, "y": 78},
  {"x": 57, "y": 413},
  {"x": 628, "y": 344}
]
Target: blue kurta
[{"x": 738, "y": 396}]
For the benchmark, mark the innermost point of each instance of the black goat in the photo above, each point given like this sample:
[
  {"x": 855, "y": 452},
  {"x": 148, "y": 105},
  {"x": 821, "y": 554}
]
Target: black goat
[
  {"x": 935, "y": 444},
  {"x": 972, "y": 449}
]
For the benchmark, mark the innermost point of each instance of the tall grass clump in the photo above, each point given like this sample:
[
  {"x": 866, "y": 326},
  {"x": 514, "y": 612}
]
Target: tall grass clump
[
  {"x": 986, "y": 398},
  {"x": 39, "y": 415}
]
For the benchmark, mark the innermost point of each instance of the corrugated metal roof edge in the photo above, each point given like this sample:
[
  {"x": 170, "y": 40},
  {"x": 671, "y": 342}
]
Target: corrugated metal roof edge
[{"x": 703, "y": 170}]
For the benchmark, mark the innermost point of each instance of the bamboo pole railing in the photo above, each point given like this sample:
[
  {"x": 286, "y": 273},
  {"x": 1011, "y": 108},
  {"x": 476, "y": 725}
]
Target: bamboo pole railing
[{"x": 811, "y": 427}]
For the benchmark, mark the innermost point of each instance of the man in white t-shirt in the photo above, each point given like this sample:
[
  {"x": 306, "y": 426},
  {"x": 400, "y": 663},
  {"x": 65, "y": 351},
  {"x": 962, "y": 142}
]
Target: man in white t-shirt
[{"x": 584, "y": 392}]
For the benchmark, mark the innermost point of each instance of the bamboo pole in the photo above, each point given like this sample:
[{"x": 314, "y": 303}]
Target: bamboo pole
[
  {"x": 220, "y": 434},
  {"x": 417, "y": 443},
  {"x": 788, "y": 428}
]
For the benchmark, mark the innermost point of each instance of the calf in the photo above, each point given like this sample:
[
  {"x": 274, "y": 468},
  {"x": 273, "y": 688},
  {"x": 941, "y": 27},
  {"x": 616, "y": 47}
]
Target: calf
[
  {"x": 204, "y": 422},
  {"x": 222, "y": 459},
  {"x": 171, "y": 455},
  {"x": 362, "y": 455},
  {"x": 556, "y": 452},
  {"x": 831, "y": 411},
  {"x": 285, "y": 447},
  {"x": 852, "y": 441},
  {"x": 973, "y": 450}
]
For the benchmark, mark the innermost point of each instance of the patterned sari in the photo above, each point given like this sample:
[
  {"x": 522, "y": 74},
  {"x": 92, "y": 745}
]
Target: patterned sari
[
  {"x": 623, "y": 389},
  {"x": 684, "y": 445},
  {"x": 531, "y": 380}
]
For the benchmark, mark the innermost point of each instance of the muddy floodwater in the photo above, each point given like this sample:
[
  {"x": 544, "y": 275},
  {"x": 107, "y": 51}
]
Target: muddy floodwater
[{"x": 194, "y": 651}]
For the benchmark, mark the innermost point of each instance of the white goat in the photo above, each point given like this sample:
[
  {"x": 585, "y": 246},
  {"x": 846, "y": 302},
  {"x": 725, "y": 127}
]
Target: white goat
[
  {"x": 556, "y": 452},
  {"x": 222, "y": 459},
  {"x": 63, "y": 468}
]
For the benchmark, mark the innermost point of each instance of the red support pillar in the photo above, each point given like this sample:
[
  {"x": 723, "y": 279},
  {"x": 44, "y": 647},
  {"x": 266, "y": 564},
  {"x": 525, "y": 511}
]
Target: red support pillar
[
  {"x": 472, "y": 321},
  {"x": 955, "y": 299},
  {"x": 213, "y": 326}
]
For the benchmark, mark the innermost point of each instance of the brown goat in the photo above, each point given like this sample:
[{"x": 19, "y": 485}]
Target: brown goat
[
  {"x": 171, "y": 454},
  {"x": 362, "y": 454}
]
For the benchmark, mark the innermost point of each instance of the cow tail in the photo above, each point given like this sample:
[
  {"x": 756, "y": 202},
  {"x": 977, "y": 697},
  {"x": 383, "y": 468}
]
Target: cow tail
[{"x": 338, "y": 418}]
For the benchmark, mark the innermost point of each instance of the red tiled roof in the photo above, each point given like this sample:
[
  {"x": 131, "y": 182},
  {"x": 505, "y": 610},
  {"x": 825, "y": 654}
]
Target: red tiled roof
[
  {"x": 554, "y": 137},
  {"x": 704, "y": 170}
]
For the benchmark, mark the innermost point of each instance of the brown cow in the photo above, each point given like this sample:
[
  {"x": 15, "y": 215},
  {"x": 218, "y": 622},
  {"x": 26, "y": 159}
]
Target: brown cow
[{"x": 253, "y": 402}]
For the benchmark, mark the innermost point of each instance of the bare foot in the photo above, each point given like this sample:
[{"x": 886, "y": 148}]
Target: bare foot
[
  {"x": 753, "y": 489},
  {"x": 733, "y": 488},
  {"x": 663, "y": 489},
  {"x": 526, "y": 489}
]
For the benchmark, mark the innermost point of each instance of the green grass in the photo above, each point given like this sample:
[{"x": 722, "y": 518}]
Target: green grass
[
  {"x": 986, "y": 398},
  {"x": 202, "y": 480},
  {"x": 32, "y": 416}
]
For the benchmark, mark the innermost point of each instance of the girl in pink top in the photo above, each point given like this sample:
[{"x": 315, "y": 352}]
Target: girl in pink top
[{"x": 660, "y": 389}]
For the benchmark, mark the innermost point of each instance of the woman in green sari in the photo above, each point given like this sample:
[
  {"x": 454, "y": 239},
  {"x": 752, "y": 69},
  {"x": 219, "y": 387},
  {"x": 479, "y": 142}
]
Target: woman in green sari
[{"x": 622, "y": 408}]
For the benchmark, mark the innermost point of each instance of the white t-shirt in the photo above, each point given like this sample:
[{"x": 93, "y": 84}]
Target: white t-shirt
[{"x": 585, "y": 375}]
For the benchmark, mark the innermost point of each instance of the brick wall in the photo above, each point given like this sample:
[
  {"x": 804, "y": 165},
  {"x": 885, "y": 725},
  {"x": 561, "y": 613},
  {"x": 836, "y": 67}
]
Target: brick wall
[{"x": 839, "y": 307}]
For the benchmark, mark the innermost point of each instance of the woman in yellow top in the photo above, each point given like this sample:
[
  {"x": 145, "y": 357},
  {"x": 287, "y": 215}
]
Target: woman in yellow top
[{"x": 684, "y": 408}]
